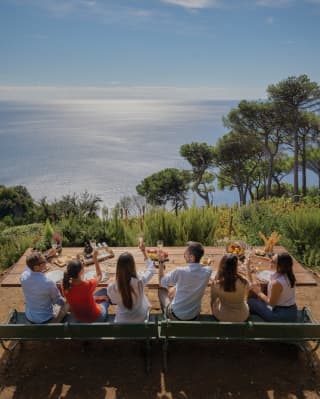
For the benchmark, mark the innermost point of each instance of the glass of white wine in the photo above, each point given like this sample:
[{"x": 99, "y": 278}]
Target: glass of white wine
[{"x": 93, "y": 244}]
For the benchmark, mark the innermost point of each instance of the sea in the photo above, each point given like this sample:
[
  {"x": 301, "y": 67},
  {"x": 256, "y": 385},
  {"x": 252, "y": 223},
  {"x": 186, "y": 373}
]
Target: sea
[{"x": 104, "y": 146}]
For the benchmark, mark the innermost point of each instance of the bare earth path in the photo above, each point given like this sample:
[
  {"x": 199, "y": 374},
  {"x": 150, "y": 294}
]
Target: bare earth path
[{"x": 71, "y": 370}]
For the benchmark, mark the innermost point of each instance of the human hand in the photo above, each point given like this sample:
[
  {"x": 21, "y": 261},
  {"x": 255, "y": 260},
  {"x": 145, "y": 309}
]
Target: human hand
[
  {"x": 142, "y": 246},
  {"x": 256, "y": 288},
  {"x": 95, "y": 254},
  {"x": 171, "y": 292}
]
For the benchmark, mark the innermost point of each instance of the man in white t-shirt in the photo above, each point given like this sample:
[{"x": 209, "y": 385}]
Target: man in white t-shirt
[{"x": 190, "y": 283}]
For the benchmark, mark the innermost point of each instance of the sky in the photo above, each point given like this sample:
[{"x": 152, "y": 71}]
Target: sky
[{"x": 209, "y": 49}]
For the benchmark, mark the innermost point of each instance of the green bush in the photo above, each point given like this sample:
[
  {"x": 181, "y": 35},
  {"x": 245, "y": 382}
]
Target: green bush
[
  {"x": 298, "y": 224},
  {"x": 302, "y": 234},
  {"x": 15, "y": 240},
  {"x": 258, "y": 216}
]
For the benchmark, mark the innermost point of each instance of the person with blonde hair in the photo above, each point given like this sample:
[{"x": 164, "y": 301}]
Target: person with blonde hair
[
  {"x": 229, "y": 292},
  {"x": 127, "y": 292}
]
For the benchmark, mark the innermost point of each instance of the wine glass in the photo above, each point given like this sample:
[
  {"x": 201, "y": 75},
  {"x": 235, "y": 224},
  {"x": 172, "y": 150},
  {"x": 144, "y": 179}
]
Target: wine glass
[
  {"x": 93, "y": 244},
  {"x": 140, "y": 238},
  {"x": 160, "y": 246},
  {"x": 54, "y": 244}
]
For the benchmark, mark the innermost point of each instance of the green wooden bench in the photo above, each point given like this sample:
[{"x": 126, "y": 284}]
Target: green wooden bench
[
  {"x": 18, "y": 329},
  {"x": 306, "y": 329}
]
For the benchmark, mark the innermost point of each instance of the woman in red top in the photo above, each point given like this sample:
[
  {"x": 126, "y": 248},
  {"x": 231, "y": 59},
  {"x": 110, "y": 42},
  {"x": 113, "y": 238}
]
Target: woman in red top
[{"x": 80, "y": 293}]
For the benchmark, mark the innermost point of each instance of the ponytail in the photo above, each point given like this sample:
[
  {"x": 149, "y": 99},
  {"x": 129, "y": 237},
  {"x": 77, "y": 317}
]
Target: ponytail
[
  {"x": 66, "y": 281},
  {"x": 74, "y": 267}
]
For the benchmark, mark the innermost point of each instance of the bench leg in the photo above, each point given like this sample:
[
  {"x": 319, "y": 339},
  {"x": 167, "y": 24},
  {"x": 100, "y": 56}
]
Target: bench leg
[
  {"x": 9, "y": 348},
  {"x": 165, "y": 355},
  {"x": 148, "y": 355}
]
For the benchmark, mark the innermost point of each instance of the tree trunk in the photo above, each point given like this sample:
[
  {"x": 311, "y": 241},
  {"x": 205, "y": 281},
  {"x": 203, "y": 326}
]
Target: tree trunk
[
  {"x": 304, "y": 167},
  {"x": 296, "y": 168}
]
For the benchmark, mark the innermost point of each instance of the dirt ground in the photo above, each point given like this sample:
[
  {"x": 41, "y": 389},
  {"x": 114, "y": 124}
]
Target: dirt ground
[{"x": 114, "y": 370}]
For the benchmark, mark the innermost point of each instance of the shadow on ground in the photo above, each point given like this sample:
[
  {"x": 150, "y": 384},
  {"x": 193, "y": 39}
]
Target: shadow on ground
[{"x": 99, "y": 370}]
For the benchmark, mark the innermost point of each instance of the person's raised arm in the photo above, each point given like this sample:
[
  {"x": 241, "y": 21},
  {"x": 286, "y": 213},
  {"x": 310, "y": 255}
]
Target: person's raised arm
[
  {"x": 97, "y": 266},
  {"x": 142, "y": 247},
  {"x": 150, "y": 269},
  {"x": 161, "y": 267}
]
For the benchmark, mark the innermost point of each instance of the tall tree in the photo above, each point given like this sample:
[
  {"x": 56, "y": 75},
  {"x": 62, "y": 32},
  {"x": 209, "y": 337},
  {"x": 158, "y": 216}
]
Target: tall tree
[
  {"x": 313, "y": 161},
  {"x": 262, "y": 118},
  {"x": 290, "y": 94},
  {"x": 309, "y": 129},
  {"x": 238, "y": 155},
  {"x": 169, "y": 185},
  {"x": 201, "y": 158}
]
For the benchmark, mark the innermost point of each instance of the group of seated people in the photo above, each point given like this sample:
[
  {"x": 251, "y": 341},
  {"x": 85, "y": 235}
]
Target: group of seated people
[{"x": 180, "y": 290}]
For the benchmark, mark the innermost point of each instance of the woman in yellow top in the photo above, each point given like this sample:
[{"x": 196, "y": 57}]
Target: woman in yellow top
[{"x": 229, "y": 292}]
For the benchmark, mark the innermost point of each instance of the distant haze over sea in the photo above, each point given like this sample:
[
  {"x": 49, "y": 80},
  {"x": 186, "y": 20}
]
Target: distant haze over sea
[{"x": 106, "y": 146}]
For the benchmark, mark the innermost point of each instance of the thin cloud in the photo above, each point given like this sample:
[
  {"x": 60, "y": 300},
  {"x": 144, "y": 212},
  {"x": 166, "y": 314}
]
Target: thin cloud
[
  {"x": 192, "y": 4},
  {"x": 274, "y": 3}
]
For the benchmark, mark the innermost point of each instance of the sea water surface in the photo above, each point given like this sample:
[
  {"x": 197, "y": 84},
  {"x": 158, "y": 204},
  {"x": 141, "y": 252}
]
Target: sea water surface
[{"x": 105, "y": 146}]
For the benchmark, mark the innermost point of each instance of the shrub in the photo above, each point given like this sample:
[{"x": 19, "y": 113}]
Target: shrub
[{"x": 302, "y": 232}]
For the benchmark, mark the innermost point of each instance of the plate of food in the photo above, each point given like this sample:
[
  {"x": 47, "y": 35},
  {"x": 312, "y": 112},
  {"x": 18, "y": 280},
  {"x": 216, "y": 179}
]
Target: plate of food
[
  {"x": 259, "y": 252},
  {"x": 265, "y": 275},
  {"x": 152, "y": 253},
  {"x": 55, "y": 275},
  {"x": 62, "y": 261},
  {"x": 206, "y": 260},
  {"x": 236, "y": 248},
  {"x": 90, "y": 274}
]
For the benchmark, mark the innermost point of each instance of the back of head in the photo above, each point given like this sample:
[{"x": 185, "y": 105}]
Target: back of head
[
  {"x": 33, "y": 259},
  {"x": 285, "y": 266},
  {"x": 196, "y": 249},
  {"x": 126, "y": 269},
  {"x": 228, "y": 272},
  {"x": 74, "y": 267}
]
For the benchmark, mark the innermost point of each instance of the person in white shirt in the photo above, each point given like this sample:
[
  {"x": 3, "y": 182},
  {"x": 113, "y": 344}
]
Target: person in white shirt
[
  {"x": 127, "y": 292},
  {"x": 190, "y": 283},
  {"x": 280, "y": 302}
]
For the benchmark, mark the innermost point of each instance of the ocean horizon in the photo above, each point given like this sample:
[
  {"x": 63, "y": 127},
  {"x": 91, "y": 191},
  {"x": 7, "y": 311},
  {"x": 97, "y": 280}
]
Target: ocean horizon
[{"x": 103, "y": 146}]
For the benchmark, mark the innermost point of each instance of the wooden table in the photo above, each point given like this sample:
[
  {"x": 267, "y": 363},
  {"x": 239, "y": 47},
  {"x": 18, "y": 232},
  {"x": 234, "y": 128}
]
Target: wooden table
[{"x": 176, "y": 258}]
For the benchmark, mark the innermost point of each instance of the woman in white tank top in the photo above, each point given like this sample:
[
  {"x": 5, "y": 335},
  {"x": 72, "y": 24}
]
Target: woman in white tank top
[{"x": 280, "y": 302}]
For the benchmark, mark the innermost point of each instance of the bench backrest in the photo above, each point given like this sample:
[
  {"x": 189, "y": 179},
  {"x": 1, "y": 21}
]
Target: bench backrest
[
  {"x": 18, "y": 327},
  {"x": 305, "y": 329}
]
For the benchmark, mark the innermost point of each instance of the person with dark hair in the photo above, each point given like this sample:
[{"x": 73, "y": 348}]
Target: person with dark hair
[
  {"x": 86, "y": 305},
  {"x": 189, "y": 284},
  {"x": 280, "y": 302},
  {"x": 229, "y": 292},
  {"x": 127, "y": 292},
  {"x": 41, "y": 293}
]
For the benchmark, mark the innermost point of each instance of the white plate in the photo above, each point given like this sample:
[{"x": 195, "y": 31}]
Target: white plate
[
  {"x": 92, "y": 274},
  {"x": 265, "y": 274},
  {"x": 55, "y": 275}
]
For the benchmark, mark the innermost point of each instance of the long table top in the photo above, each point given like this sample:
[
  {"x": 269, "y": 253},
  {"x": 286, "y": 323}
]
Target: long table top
[{"x": 176, "y": 258}]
